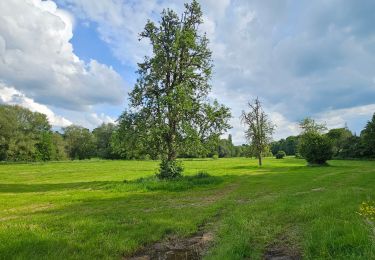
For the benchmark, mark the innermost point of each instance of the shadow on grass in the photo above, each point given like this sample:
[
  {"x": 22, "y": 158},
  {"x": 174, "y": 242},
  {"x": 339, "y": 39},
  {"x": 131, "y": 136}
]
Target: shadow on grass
[
  {"x": 45, "y": 187},
  {"x": 143, "y": 184},
  {"x": 181, "y": 184}
]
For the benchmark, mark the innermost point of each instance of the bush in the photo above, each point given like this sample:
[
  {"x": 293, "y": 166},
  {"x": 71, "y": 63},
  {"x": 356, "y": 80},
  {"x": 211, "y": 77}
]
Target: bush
[
  {"x": 280, "y": 154},
  {"x": 170, "y": 169},
  {"x": 315, "y": 148},
  {"x": 215, "y": 156}
]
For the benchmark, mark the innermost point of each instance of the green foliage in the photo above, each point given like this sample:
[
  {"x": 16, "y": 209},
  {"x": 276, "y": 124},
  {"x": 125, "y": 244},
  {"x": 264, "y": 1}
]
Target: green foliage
[
  {"x": 215, "y": 156},
  {"x": 259, "y": 129},
  {"x": 226, "y": 148},
  {"x": 309, "y": 125},
  {"x": 103, "y": 136},
  {"x": 315, "y": 148},
  {"x": 280, "y": 154},
  {"x": 80, "y": 142},
  {"x": 368, "y": 138},
  {"x": 339, "y": 137},
  {"x": 169, "y": 111},
  {"x": 59, "y": 152},
  {"x": 44, "y": 147},
  {"x": 129, "y": 141},
  {"x": 170, "y": 169},
  {"x": 24, "y": 135},
  {"x": 289, "y": 145}
]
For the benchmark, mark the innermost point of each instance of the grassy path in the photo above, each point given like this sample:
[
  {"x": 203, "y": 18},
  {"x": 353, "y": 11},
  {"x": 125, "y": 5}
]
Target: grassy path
[{"x": 85, "y": 210}]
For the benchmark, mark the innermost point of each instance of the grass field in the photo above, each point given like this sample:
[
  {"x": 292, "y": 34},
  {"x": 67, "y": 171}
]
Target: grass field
[{"x": 85, "y": 210}]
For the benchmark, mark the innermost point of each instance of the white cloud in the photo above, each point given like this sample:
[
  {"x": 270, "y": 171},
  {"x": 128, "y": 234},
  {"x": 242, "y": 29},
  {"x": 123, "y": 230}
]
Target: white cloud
[
  {"x": 340, "y": 117},
  {"x": 10, "y": 95},
  {"x": 37, "y": 58}
]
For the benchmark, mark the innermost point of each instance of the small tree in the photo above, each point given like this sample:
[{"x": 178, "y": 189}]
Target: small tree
[
  {"x": 315, "y": 147},
  {"x": 259, "y": 128}
]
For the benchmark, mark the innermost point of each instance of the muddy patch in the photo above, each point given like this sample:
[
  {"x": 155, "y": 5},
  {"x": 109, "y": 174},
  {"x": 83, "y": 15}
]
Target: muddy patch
[
  {"x": 174, "y": 248},
  {"x": 188, "y": 248},
  {"x": 282, "y": 249}
]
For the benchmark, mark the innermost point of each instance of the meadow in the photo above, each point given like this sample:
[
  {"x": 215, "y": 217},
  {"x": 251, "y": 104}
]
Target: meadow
[{"x": 109, "y": 209}]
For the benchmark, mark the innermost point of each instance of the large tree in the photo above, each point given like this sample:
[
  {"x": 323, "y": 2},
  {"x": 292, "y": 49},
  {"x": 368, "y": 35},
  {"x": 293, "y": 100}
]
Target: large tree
[
  {"x": 169, "y": 109},
  {"x": 259, "y": 128}
]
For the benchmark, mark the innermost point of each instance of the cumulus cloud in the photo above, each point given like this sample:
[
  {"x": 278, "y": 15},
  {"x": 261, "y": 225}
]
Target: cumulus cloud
[
  {"x": 9, "y": 95},
  {"x": 37, "y": 58}
]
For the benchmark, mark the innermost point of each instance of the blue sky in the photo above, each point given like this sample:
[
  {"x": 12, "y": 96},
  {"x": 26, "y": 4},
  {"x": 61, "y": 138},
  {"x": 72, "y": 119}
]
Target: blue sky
[{"x": 75, "y": 60}]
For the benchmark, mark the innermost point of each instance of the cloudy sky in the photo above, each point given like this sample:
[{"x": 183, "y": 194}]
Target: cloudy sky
[{"x": 75, "y": 60}]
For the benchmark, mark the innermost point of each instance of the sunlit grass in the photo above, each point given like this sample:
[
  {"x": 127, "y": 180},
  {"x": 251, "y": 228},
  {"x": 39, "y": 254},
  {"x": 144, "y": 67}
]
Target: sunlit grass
[{"x": 108, "y": 209}]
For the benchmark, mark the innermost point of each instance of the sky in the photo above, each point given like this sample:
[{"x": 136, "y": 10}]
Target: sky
[{"x": 76, "y": 60}]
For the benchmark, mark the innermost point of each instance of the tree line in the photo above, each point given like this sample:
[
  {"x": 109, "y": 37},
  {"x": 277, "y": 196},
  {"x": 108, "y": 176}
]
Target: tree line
[
  {"x": 343, "y": 143},
  {"x": 28, "y": 136}
]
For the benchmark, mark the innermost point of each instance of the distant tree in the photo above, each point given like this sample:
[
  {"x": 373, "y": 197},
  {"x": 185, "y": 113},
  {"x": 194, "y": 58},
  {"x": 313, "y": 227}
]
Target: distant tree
[
  {"x": 259, "y": 128},
  {"x": 226, "y": 147},
  {"x": 368, "y": 138},
  {"x": 79, "y": 141},
  {"x": 59, "y": 152},
  {"x": 131, "y": 139},
  {"x": 169, "y": 101},
  {"x": 352, "y": 148},
  {"x": 44, "y": 147},
  {"x": 8, "y": 127},
  {"x": 291, "y": 143},
  {"x": 315, "y": 147},
  {"x": 339, "y": 137},
  {"x": 22, "y": 133},
  {"x": 103, "y": 136}
]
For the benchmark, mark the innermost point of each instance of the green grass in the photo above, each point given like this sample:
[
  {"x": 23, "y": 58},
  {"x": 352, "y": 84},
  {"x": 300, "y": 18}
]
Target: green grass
[{"x": 86, "y": 210}]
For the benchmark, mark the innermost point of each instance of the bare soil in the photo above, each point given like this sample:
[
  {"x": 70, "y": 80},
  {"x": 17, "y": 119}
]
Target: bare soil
[
  {"x": 174, "y": 248},
  {"x": 282, "y": 249}
]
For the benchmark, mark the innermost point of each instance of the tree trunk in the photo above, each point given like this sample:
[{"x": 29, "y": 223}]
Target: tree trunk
[{"x": 260, "y": 159}]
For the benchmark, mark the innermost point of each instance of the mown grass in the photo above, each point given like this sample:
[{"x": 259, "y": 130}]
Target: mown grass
[{"x": 108, "y": 209}]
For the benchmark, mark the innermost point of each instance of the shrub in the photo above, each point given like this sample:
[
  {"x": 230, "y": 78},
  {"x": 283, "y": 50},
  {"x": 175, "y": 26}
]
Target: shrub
[
  {"x": 215, "y": 156},
  {"x": 315, "y": 148},
  {"x": 280, "y": 154},
  {"x": 170, "y": 169}
]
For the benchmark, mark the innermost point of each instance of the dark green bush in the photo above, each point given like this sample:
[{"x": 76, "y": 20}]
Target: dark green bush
[
  {"x": 315, "y": 148},
  {"x": 280, "y": 154},
  {"x": 170, "y": 169}
]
